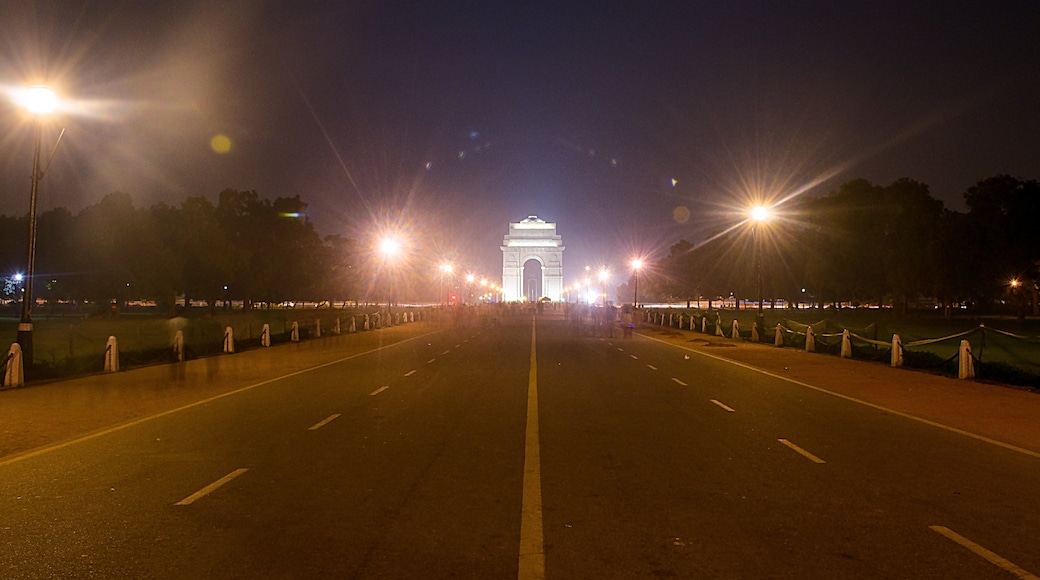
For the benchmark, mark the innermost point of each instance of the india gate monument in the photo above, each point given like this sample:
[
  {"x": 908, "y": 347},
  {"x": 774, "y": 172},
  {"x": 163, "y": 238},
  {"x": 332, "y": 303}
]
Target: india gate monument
[{"x": 532, "y": 261}]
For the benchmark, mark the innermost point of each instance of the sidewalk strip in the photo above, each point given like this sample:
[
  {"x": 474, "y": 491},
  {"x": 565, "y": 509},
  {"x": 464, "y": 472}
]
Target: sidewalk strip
[
  {"x": 379, "y": 390},
  {"x": 680, "y": 382},
  {"x": 323, "y": 423},
  {"x": 410, "y": 373},
  {"x": 211, "y": 487},
  {"x": 983, "y": 552},
  {"x": 801, "y": 451},
  {"x": 723, "y": 406},
  {"x": 532, "y": 546}
]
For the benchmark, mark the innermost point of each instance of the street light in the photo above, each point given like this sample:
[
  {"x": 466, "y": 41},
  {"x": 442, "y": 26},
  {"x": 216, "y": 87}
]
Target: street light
[
  {"x": 38, "y": 100},
  {"x": 604, "y": 275},
  {"x": 760, "y": 214},
  {"x": 637, "y": 265}
]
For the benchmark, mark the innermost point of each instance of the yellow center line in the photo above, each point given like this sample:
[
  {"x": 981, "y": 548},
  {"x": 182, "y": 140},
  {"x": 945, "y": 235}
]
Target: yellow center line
[
  {"x": 532, "y": 547},
  {"x": 983, "y": 552}
]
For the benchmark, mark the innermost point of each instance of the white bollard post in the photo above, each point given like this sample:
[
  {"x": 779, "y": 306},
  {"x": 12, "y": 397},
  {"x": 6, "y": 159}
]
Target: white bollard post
[
  {"x": 718, "y": 327},
  {"x": 810, "y": 340},
  {"x": 265, "y": 336},
  {"x": 704, "y": 324},
  {"x": 294, "y": 335},
  {"x": 353, "y": 325},
  {"x": 897, "y": 351},
  {"x": 14, "y": 376},
  {"x": 846, "y": 344},
  {"x": 111, "y": 355},
  {"x": 411, "y": 317},
  {"x": 336, "y": 329},
  {"x": 778, "y": 338},
  {"x": 966, "y": 362},
  {"x": 755, "y": 337},
  {"x": 366, "y": 322},
  {"x": 317, "y": 328},
  {"x": 736, "y": 330},
  {"x": 178, "y": 345},
  {"x": 229, "y": 340}
]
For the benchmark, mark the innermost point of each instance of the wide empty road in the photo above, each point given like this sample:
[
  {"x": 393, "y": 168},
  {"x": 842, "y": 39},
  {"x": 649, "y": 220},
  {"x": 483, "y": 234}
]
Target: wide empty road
[{"x": 523, "y": 448}]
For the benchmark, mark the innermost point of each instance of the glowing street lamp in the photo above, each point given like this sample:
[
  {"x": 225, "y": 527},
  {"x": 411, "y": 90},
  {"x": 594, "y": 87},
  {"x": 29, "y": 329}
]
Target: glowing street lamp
[
  {"x": 637, "y": 265},
  {"x": 760, "y": 216},
  {"x": 38, "y": 100},
  {"x": 390, "y": 247}
]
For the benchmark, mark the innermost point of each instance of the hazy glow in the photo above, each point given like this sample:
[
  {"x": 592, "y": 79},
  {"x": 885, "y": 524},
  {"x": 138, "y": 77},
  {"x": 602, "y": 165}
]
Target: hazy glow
[
  {"x": 390, "y": 247},
  {"x": 604, "y": 275},
  {"x": 220, "y": 144},
  {"x": 760, "y": 213},
  {"x": 37, "y": 99},
  {"x": 591, "y": 297},
  {"x": 637, "y": 264}
]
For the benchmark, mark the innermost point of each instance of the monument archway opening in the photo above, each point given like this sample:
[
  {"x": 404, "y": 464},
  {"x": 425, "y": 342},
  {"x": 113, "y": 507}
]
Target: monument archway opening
[
  {"x": 532, "y": 240},
  {"x": 533, "y": 280}
]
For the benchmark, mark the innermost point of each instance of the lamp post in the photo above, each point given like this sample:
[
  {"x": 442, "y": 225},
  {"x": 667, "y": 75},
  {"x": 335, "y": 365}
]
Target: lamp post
[
  {"x": 389, "y": 247},
  {"x": 637, "y": 264},
  {"x": 604, "y": 275},
  {"x": 760, "y": 214},
  {"x": 446, "y": 269},
  {"x": 39, "y": 100}
]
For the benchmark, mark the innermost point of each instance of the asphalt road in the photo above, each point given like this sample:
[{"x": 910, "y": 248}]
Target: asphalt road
[{"x": 424, "y": 459}]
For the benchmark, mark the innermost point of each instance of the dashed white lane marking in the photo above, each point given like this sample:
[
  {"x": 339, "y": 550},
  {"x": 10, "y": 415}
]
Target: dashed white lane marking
[
  {"x": 211, "y": 487},
  {"x": 445, "y": 352},
  {"x": 620, "y": 349},
  {"x": 457, "y": 345},
  {"x": 410, "y": 373},
  {"x": 634, "y": 356},
  {"x": 651, "y": 367},
  {"x": 983, "y": 552},
  {"x": 430, "y": 361},
  {"x": 379, "y": 390},
  {"x": 321, "y": 424},
  {"x": 719, "y": 403},
  {"x": 801, "y": 451},
  {"x": 680, "y": 382}
]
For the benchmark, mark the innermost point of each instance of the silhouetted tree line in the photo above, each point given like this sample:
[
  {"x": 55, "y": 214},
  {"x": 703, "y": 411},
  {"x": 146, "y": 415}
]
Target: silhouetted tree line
[
  {"x": 243, "y": 248},
  {"x": 867, "y": 244}
]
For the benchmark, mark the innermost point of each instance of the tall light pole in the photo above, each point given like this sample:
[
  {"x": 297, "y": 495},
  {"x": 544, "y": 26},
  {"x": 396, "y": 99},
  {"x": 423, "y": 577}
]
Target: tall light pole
[
  {"x": 390, "y": 248},
  {"x": 39, "y": 100},
  {"x": 760, "y": 214},
  {"x": 637, "y": 265},
  {"x": 446, "y": 270},
  {"x": 604, "y": 275}
]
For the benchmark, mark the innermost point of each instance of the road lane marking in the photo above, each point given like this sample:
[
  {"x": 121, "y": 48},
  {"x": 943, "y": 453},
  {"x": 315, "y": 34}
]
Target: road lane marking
[
  {"x": 321, "y": 424},
  {"x": 983, "y": 552},
  {"x": 457, "y": 345},
  {"x": 410, "y": 373},
  {"x": 651, "y": 367},
  {"x": 801, "y": 451},
  {"x": 680, "y": 382},
  {"x": 445, "y": 352},
  {"x": 634, "y": 357},
  {"x": 430, "y": 361},
  {"x": 532, "y": 545},
  {"x": 902, "y": 414},
  {"x": 211, "y": 487},
  {"x": 620, "y": 349},
  {"x": 379, "y": 390},
  {"x": 719, "y": 403},
  {"x": 135, "y": 422}
]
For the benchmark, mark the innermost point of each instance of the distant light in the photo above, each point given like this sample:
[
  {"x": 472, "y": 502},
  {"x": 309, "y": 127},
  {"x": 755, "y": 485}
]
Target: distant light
[
  {"x": 290, "y": 214},
  {"x": 591, "y": 296},
  {"x": 470, "y": 278},
  {"x": 637, "y": 264},
  {"x": 18, "y": 277},
  {"x": 603, "y": 275},
  {"x": 760, "y": 213},
  {"x": 1015, "y": 282}
]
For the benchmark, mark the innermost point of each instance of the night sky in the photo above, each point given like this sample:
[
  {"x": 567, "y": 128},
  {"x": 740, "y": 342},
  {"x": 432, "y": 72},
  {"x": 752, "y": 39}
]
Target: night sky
[{"x": 451, "y": 119}]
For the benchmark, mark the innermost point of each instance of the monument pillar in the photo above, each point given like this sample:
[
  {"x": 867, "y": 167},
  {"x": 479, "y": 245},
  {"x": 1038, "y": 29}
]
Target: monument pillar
[{"x": 532, "y": 239}]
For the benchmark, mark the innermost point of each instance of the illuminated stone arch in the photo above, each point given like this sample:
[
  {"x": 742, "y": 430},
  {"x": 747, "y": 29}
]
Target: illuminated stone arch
[{"x": 532, "y": 239}]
